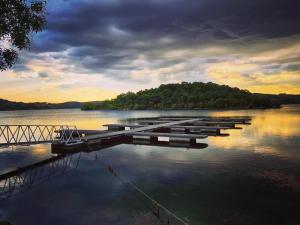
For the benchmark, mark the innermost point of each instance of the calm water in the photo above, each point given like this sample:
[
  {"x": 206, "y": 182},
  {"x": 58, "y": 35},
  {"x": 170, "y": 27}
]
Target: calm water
[{"x": 250, "y": 177}]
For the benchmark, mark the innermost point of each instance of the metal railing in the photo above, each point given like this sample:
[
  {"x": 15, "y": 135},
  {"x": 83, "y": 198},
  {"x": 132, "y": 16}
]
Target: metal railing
[{"x": 36, "y": 134}]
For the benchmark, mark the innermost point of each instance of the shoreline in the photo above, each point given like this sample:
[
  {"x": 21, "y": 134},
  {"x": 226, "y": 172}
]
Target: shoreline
[{"x": 225, "y": 109}]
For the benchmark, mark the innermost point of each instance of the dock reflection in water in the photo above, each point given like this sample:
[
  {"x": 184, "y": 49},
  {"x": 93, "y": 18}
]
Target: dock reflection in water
[{"x": 29, "y": 176}]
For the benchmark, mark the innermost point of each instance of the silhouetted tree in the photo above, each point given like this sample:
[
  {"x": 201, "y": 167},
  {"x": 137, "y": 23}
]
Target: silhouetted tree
[{"x": 18, "y": 19}]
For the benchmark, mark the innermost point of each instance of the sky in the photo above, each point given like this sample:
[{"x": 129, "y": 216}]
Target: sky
[{"x": 97, "y": 49}]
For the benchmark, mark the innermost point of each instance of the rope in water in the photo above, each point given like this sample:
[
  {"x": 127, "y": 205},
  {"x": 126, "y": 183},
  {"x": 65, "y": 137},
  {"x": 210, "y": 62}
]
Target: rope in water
[{"x": 154, "y": 202}]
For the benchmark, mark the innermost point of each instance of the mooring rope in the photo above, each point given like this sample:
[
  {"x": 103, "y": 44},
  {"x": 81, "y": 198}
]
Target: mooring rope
[{"x": 155, "y": 203}]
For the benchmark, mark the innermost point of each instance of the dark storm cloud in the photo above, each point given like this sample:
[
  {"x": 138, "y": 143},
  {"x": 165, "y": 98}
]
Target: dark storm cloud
[
  {"x": 108, "y": 34},
  {"x": 265, "y": 18}
]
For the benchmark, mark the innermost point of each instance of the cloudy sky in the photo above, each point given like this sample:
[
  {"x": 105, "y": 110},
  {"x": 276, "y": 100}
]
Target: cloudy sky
[{"x": 96, "y": 49}]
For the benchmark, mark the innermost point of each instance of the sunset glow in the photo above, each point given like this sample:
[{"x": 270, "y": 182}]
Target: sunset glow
[{"x": 88, "y": 52}]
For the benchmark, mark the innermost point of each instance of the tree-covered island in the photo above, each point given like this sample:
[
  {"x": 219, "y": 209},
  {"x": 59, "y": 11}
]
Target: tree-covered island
[{"x": 186, "y": 95}]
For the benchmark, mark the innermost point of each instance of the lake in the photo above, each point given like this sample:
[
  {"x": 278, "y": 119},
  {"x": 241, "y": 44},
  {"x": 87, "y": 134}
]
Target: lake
[{"x": 250, "y": 177}]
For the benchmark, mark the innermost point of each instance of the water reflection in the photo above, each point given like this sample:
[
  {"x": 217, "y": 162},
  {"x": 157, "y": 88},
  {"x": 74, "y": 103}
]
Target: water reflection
[
  {"x": 204, "y": 186},
  {"x": 29, "y": 176},
  {"x": 39, "y": 149},
  {"x": 249, "y": 177},
  {"x": 19, "y": 156},
  {"x": 283, "y": 122},
  {"x": 271, "y": 132}
]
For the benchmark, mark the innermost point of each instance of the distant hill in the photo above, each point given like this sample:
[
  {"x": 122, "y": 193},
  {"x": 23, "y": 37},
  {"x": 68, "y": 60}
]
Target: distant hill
[
  {"x": 9, "y": 105},
  {"x": 282, "y": 98},
  {"x": 195, "y": 95}
]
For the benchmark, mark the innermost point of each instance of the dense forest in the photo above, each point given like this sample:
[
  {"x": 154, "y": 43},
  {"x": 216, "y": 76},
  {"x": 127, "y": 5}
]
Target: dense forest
[
  {"x": 185, "y": 95},
  {"x": 9, "y": 105}
]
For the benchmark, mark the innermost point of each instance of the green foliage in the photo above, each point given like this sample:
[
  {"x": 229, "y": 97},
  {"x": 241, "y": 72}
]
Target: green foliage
[
  {"x": 195, "y": 95},
  {"x": 18, "y": 19}
]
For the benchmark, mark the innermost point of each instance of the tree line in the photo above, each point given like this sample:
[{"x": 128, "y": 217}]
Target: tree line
[{"x": 186, "y": 95}]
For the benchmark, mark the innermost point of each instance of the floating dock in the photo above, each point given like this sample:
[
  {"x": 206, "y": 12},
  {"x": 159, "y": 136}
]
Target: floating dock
[
  {"x": 157, "y": 131},
  {"x": 154, "y": 130}
]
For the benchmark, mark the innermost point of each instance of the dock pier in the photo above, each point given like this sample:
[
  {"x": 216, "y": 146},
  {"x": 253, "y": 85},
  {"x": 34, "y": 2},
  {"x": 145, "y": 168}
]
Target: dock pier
[{"x": 157, "y": 131}]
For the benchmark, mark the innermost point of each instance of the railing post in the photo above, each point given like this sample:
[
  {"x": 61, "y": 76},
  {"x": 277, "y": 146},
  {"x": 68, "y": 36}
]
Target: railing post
[{"x": 7, "y": 133}]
